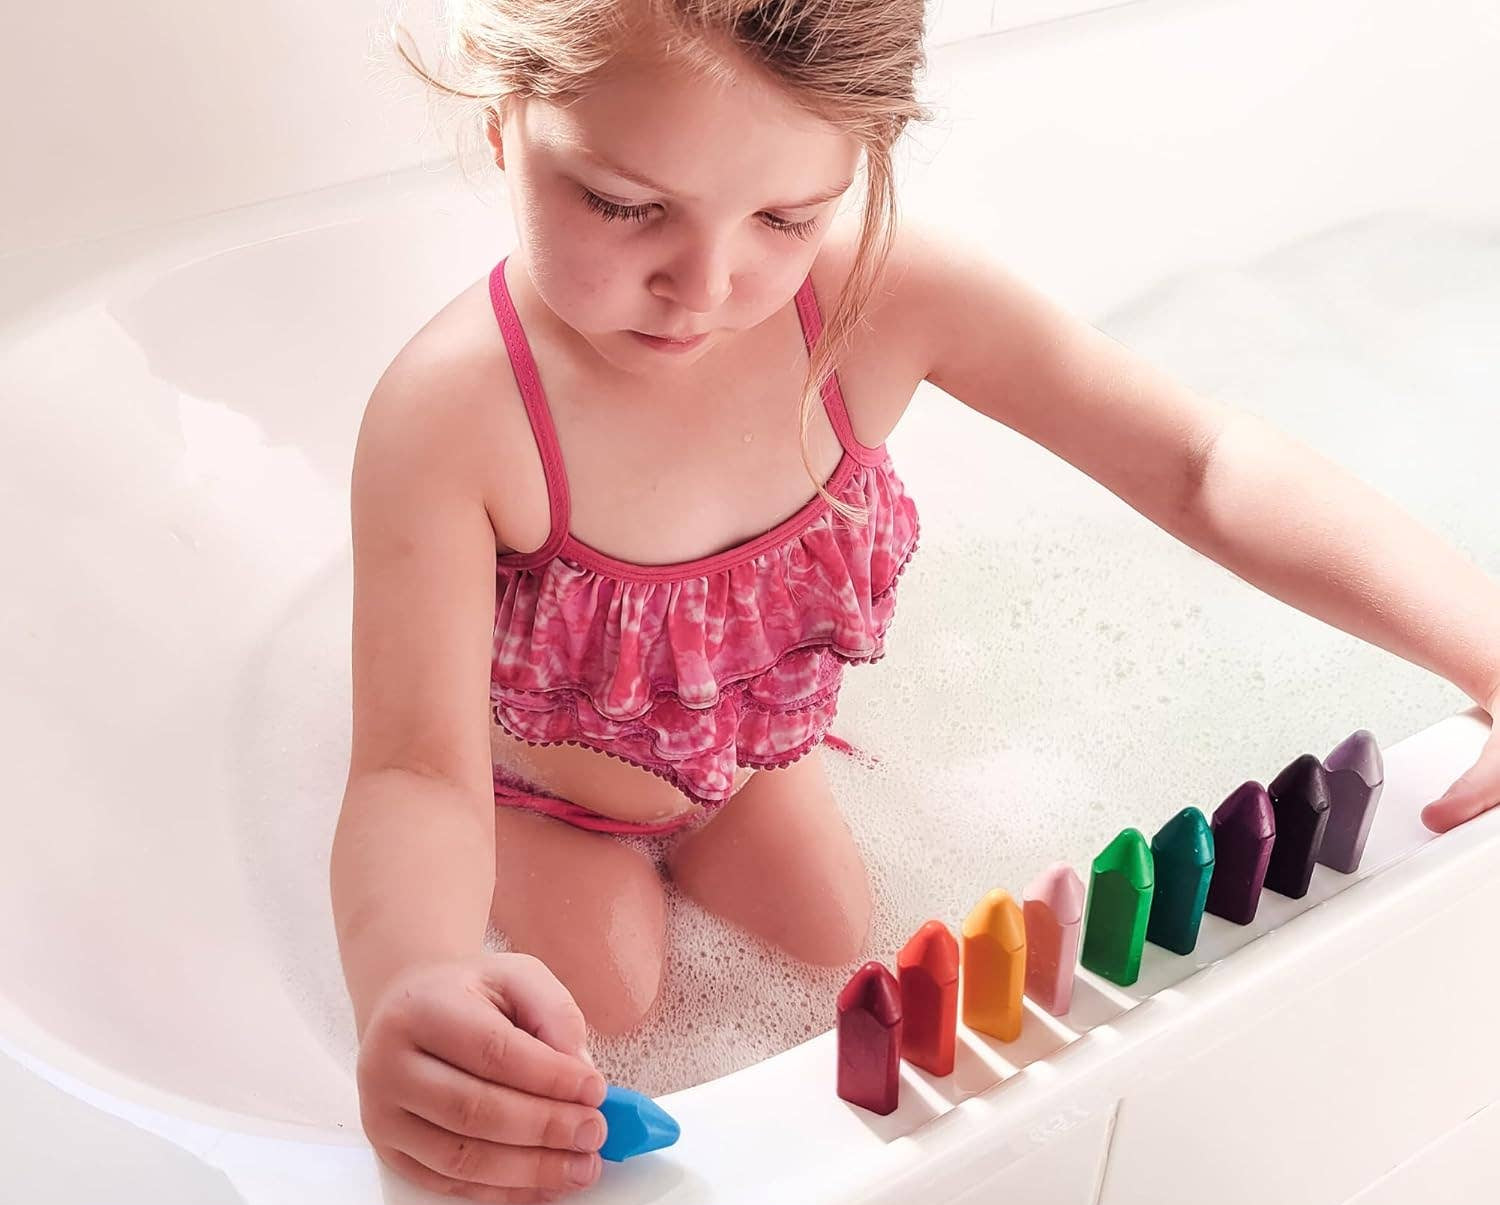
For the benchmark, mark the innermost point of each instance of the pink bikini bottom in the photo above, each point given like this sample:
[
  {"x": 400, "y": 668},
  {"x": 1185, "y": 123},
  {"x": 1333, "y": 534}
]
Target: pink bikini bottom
[{"x": 511, "y": 790}]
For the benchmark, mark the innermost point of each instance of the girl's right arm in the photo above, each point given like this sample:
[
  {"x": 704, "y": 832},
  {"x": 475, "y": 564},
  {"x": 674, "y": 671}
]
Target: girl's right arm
[
  {"x": 469, "y": 1072},
  {"x": 412, "y": 870}
]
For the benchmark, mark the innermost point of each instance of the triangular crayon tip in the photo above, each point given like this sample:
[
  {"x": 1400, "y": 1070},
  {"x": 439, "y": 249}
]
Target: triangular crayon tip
[
  {"x": 1129, "y": 855},
  {"x": 998, "y": 915},
  {"x": 934, "y": 949},
  {"x": 1304, "y": 780},
  {"x": 1248, "y": 811},
  {"x": 1186, "y": 839},
  {"x": 635, "y": 1124},
  {"x": 1359, "y": 752},
  {"x": 873, "y": 989},
  {"x": 1060, "y": 888}
]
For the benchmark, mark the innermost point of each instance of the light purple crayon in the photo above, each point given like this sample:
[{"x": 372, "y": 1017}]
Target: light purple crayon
[{"x": 1356, "y": 777}]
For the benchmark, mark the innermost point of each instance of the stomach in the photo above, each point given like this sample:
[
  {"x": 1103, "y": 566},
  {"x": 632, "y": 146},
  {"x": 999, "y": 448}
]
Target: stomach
[{"x": 596, "y": 781}]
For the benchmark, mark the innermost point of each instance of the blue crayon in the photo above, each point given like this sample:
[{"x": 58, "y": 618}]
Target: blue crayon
[{"x": 634, "y": 1124}]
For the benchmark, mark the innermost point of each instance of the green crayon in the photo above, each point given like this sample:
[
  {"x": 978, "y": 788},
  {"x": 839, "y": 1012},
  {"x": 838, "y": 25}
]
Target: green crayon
[
  {"x": 1183, "y": 856},
  {"x": 1120, "y": 890}
]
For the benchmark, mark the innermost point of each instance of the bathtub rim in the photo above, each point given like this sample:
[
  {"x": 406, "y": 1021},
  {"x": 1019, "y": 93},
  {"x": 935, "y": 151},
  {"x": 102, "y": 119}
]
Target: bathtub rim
[{"x": 878, "y": 1167}]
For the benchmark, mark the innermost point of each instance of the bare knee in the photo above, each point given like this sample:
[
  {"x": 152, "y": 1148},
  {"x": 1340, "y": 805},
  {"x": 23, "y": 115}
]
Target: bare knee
[
  {"x": 838, "y": 933},
  {"x": 592, "y": 909},
  {"x": 823, "y": 919},
  {"x": 618, "y": 991}
]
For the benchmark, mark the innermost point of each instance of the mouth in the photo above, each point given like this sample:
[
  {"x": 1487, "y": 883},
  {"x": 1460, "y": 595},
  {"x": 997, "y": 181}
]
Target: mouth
[{"x": 671, "y": 343}]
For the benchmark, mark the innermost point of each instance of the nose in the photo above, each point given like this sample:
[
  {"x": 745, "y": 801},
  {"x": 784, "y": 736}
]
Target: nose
[{"x": 698, "y": 279}]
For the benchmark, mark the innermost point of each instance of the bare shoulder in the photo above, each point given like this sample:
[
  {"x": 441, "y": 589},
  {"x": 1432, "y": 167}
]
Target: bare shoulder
[
  {"x": 890, "y": 349},
  {"x": 449, "y": 398},
  {"x": 895, "y": 301},
  {"x": 1008, "y": 350}
]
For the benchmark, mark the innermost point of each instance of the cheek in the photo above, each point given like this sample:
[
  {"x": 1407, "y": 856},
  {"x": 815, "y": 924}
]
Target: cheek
[{"x": 574, "y": 263}]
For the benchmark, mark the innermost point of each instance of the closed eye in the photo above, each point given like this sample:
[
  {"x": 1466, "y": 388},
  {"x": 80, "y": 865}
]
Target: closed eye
[{"x": 640, "y": 213}]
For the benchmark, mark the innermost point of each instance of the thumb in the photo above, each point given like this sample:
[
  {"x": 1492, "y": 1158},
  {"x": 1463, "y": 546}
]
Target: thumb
[{"x": 525, "y": 988}]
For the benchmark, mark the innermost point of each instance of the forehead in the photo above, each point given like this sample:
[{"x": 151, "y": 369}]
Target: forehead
[{"x": 700, "y": 139}]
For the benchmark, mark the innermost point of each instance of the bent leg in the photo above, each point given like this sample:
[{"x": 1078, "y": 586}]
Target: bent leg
[
  {"x": 589, "y": 907},
  {"x": 779, "y": 860}
]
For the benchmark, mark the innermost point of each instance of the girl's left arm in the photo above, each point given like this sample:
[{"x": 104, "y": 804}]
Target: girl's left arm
[
  {"x": 1301, "y": 527},
  {"x": 1269, "y": 509}
]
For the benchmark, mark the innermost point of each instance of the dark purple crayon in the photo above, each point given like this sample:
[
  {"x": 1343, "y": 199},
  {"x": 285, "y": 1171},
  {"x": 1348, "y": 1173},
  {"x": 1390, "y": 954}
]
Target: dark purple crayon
[
  {"x": 869, "y": 1039},
  {"x": 1244, "y": 831},
  {"x": 1356, "y": 777},
  {"x": 1300, "y": 796}
]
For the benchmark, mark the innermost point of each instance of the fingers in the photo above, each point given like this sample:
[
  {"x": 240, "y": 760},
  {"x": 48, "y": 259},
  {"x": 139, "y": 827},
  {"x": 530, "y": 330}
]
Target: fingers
[
  {"x": 465, "y": 1105},
  {"x": 467, "y": 1031},
  {"x": 424, "y": 1177},
  {"x": 475, "y": 1161},
  {"x": 527, "y": 991},
  {"x": 1450, "y": 813},
  {"x": 1477, "y": 790}
]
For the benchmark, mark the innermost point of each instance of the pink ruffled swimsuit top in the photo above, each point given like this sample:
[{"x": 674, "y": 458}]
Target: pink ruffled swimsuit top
[{"x": 694, "y": 669}]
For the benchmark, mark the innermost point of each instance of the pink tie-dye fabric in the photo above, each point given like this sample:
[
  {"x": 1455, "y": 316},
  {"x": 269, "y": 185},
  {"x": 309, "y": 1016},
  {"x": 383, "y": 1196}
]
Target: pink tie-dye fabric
[{"x": 694, "y": 669}]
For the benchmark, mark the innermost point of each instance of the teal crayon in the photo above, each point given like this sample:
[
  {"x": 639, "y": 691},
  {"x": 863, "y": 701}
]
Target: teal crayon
[{"x": 1182, "y": 855}]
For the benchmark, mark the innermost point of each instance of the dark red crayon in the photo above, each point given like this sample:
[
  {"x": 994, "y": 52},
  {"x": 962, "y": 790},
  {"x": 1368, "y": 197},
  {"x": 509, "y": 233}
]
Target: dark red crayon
[
  {"x": 1300, "y": 797},
  {"x": 928, "y": 971},
  {"x": 1244, "y": 828},
  {"x": 869, "y": 1039}
]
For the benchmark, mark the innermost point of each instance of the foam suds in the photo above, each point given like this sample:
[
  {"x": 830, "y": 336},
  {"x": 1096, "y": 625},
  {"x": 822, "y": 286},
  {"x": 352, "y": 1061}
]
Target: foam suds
[{"x": 1058, "y": 667}]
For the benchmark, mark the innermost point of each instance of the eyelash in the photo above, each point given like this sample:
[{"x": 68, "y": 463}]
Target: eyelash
[{"x": 609, "y": 210}]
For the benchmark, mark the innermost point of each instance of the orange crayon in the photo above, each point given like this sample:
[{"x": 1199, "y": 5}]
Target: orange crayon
[
  {"x": 928, "y": 967},
  {"x": 994, "y": 966},
  {"x": 1054, "y": 916}
]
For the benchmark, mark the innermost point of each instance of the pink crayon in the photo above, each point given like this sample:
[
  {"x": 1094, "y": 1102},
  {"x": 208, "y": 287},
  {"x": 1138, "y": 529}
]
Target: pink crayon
[
  {"x": 1054, "y": 916},
  {"x": 869, "y": 1039}
]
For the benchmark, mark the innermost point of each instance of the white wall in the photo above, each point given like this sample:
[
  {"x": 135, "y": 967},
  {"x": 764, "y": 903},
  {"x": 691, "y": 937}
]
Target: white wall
[{"x": 121, "y": 115}]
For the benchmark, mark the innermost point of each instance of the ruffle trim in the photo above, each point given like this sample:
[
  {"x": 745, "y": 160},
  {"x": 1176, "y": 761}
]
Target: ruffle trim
[
  {"x": 629, "y": 646},
  {"x": 679, "y": 780},
  {"x": 597, "y": 635},
  {"x": 568, "y": 704}
]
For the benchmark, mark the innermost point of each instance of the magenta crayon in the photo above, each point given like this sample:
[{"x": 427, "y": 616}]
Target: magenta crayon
[
  {"x": 869, "y": 1039},
  {"x": 927, "y": 968},
  {"x": 1356, "y": 777},
  {"x": 1244, "y": 830},
  {"x": 1300, "y": 796},
  {"x": 1118, "y": 908},
  {"x": 1054, "y": 917}
]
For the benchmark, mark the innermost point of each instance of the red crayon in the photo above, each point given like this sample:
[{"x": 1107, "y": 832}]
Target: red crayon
[
  {"x": 869, "y": 1039},
  {"x": 928, "y": 969}
]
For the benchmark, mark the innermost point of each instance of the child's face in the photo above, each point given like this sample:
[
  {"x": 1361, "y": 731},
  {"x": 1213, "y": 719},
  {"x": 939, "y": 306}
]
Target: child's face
[{"x": 704, "y": 255}]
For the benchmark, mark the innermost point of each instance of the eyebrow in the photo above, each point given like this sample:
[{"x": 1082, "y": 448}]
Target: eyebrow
[{"x": 827, "y": 194}]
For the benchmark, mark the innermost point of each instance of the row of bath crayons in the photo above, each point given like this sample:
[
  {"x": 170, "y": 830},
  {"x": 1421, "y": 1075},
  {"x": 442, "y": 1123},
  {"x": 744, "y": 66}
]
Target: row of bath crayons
[{"x": 1260, "y": 838}]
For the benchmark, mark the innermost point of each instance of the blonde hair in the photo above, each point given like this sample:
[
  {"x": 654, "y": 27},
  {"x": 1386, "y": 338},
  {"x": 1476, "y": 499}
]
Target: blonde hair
[{"x": 851, "y": 63}]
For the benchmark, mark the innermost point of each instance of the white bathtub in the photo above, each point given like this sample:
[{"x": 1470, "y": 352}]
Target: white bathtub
[{"x": 176, "y": 516}]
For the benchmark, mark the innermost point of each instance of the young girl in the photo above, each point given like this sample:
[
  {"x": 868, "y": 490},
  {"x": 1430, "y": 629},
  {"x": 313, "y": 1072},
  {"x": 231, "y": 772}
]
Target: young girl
[{"x": 651, "y": 561}]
